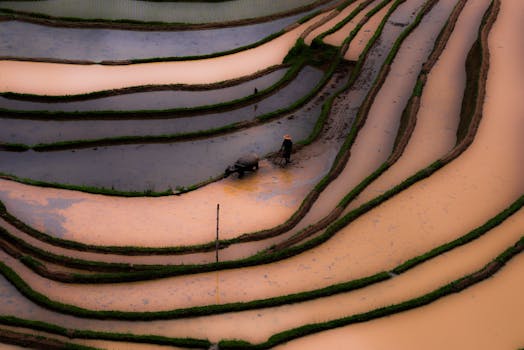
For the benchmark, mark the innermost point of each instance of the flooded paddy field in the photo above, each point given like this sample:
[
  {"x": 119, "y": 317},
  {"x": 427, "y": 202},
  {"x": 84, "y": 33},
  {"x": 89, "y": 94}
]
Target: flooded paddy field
[
  {"x": 152, "y": 100},
  {"x": 102, "y": 230},
  {"x": 340, "y": 35},
  {"x": 152, "y": 11},
  {"x": 332, "y": 21},
  {"x": 363, "y": 36},
  {"x": 58, "y": 79},
  {"x": 258, "y": 325},
  {"x": 439, "y": 114},
  {"x": 350, "y": 101},
  {"x": 274, "y": 193},
  {"x": 38, "y": 131},
  {"x": 157, "y": 167},
  {"x": 97, "y": 45},
  {"x": 455, "y": 222},
  {"x": 481, "y": 317}
]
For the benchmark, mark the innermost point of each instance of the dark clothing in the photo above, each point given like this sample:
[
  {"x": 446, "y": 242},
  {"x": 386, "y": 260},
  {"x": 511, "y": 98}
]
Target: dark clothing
[{"x": 287, "y": 146}]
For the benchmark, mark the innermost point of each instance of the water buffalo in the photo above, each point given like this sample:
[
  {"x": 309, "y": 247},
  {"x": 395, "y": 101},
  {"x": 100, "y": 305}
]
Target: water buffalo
[{"x": 245, "y": 163}]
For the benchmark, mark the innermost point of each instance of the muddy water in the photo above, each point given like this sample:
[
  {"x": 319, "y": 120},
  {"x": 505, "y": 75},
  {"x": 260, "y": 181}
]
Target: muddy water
[
  {"x": 482, "y": 317},
  {"x": 340, "y": 35},
  {"x": 63, "y": 79},
  {"x": 356, "y": 170},
  {"x": 258, "y": 325},
  {"x": 375, "y": 141},
  {"x": 72, "y": 217},
  {"x": 111, "y": 258},
  {"x": 500, "y": 302},
  {"x": 364, "y": 35},
  {"x": 438, "y": 117},
  {"x": 158, "y": 167},
  {"x": 152, "y": 100},
  {"x": 326, "y": 26},
  {"x": 179, "y": 12},
  {"x": 270, "y": 194},
  {"x": 35, "y": 131},
  {"x": 95, "y": 44},
  {"x": 274, "y": 194},
  {"x": 426, "y": 215}
]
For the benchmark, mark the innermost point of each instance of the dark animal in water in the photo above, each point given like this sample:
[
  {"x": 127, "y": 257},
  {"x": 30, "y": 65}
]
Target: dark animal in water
[{"x": 245, "y": 163}]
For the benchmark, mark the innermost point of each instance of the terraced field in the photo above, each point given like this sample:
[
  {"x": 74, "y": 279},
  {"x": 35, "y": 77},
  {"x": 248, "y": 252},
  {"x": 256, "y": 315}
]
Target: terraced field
[{"x": 398, "y": 223}]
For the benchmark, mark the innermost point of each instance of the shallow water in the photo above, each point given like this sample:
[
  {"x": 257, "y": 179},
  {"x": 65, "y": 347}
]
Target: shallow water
[
  {"x": 95, "y": 44},
  {"x": 273, "y": 193},
  {"x": 374, "y": 142},
  {"x": 73, "y": 218},
  {"x": 326, "y": 26},
  {"x": 426, "y": 215},
  {"x": 482, "y": 317},
  {"x": 64, "y": 213},
  {"x": 153, "y": 100},
  {"x": 158, "y": 167},
  {"x": 68, "y": 79},
  {"x": 258, "y": 325},
  {"x": 358, "y": 44},
  {"x": 38, "y": 131},
  {"x": 437, "y": 120},
  {"x": 491, "y": 168},
  {"x": 179, "y": 12},
  {"x": 340, "y": 35},
  {"x": 349, "y": 105}
]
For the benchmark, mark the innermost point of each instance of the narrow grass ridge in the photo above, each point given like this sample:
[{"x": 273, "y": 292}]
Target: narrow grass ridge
[
  {"x": 173, "y": 58},
  {"x": 295, "y": 218},
  {"x": 454, "y": 287},
  {"x": 406, "y": 127},
  {"x": 141, "y": 88},
  {"x": 294, "y": 69},
  {"x": 263, "y": 258},
  {"x": 211, "y": 245},
  {"x": 75, "y": 22},
  {"x": 206, "y": 310},
  {"x": 335, "y": 170},
  {"x": 344, "y": 221}
]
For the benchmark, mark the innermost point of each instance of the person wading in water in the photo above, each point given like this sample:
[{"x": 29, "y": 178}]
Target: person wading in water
[{"x": 287, "y": 147}]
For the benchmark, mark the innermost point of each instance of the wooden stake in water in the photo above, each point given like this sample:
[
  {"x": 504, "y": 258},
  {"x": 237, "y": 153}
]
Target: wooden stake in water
[
  {"x": 216, "y": 242},
  {"x": 216, "y": 250}
]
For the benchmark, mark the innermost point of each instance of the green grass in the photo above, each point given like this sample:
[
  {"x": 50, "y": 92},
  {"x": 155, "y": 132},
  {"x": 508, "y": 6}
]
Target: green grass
[
  {"x": 86, "y": 334},
  {"x": 134, "y": 24},
  {"x": 344, "y": 287},
  {"x": 305, "y": 204},
  {"x": 318, "y": 41},
  {"x": 420, "y": 175},
  {"x": 87, "y": 189},
  {"x": 453, "y": 287},
  {"x": 291, "y": 74},
  {"x": 142, "y": 88}
]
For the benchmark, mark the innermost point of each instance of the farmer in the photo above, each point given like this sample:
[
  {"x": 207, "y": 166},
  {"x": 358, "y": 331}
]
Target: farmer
[{"x": 287, "y": 146}]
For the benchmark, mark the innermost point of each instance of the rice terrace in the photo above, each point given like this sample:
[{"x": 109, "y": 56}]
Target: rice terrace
[{"x": 256, "y": 174}]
